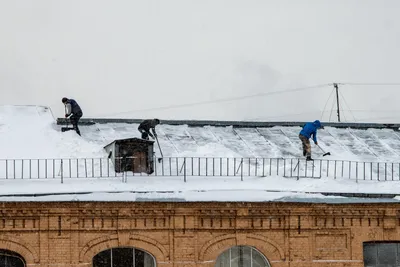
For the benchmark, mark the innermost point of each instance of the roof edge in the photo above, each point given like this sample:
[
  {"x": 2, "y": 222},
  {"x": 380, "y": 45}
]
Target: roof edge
[{"x": 238, "y": 124}]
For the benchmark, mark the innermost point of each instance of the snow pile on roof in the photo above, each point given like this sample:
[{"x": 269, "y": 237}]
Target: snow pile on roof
[{"x": 31, "y": 132}]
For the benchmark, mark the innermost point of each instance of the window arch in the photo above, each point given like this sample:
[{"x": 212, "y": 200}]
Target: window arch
[
  {"x": 124, "y": 257},
  {"x": 242, "y": 256},
  {"x": 9, "y": 258}
]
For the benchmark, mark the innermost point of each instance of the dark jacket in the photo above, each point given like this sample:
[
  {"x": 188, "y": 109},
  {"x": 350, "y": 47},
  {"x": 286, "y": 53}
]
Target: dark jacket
[
  {"x": 147, "y": 125},
  {"x": 310, "y": 129},
  {"x": 73, "y": 108}
]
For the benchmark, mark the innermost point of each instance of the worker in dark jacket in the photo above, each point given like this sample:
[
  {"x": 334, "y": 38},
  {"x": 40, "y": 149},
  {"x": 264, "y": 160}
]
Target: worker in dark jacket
[
  {"x": 309, "y": 130},
  {"x": 72, "y": 111},
  {"x": 147, "y": 125}
]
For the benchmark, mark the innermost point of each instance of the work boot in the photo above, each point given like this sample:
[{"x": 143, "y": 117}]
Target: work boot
[
  {"x": 309, "y": 158},
  {"x": 304, "y": 153}
]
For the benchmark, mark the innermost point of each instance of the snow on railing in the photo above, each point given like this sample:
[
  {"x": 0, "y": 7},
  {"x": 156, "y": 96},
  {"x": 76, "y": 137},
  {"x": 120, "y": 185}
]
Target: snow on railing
[{"x": 198, "y": 166}]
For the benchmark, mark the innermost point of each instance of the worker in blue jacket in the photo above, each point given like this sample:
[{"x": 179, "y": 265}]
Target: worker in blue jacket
[{"x": 309, "y": 130}]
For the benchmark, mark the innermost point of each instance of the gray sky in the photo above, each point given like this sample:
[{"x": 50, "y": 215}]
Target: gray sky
[{"x": 122, "y": 58}]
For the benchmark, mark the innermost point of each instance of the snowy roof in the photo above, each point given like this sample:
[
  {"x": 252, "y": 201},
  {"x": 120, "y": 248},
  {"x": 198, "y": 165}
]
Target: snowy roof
[{"x": 31, "y": 132}]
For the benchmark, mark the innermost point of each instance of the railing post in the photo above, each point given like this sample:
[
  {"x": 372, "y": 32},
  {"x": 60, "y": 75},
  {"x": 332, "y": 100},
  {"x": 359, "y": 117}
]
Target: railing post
[
  {"x": 350, "y": 169},
  {"x": 249, "y": 174},
  {"x": 277, "y": 166},
  {"x": 270, "y": 166},
  {"x": 86, "y": 176},
  {"x": 184, "y": 169},
  {"x": 342, "y": 168},
  {"x": 234, "y": 166},
  {"x": 284, "y": 167},
  {"x": 213, "y": 164},
  {"x": 22, "y": 169},
  {"x": 379, "y": 170},
  {"x": 392, "y": 171},
  {"x": 62, "y": 172},
  {"x": 357, "y": 172},
  {"x": 220, "y": 166},
  {"x": 92, "y": 167},
  {"x": 162, "y": 167},
  {"x": 255, "y": 173},
  {"x": 327, "y": 168},
  {"x": 335, "y": 170},
  {"x": 241, "y": 171},
  {"x": 385, "y": 171},
  {"x": 371, "y": 171},
  {"x": 192, "y": 166},
  {"x": 364, "y": 170},
  {"x": 298, "y": 169},
  {"x": 263, "y": 167}
]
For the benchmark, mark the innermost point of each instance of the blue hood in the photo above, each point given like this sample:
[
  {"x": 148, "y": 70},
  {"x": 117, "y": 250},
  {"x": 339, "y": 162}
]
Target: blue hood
[{"x": 318, "y": 124}]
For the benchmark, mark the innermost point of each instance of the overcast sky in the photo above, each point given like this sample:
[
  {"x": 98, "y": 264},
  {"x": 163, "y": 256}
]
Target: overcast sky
[{"x": 130, "y": 58}]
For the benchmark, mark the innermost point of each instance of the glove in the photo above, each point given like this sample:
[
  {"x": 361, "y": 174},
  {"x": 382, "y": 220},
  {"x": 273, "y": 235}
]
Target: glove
[{"x": 66, "y": 115}]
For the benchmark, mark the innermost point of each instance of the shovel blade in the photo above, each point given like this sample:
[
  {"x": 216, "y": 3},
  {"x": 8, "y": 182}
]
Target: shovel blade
[{"x": 64, "y": 129}]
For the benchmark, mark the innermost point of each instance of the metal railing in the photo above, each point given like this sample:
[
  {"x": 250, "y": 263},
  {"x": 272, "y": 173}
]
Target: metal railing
[{"x": 197, "y": 166}]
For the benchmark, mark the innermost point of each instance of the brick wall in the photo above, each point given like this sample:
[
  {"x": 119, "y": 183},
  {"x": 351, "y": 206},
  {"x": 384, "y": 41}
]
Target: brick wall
[{"x": 194, "y": 234}]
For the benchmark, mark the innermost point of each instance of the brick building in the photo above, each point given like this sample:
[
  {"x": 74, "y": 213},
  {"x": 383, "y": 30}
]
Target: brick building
[{"x": 198, "y": 234}]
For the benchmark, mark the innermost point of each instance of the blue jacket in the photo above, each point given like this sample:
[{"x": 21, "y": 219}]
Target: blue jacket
[{"x": 310, "y": 129}]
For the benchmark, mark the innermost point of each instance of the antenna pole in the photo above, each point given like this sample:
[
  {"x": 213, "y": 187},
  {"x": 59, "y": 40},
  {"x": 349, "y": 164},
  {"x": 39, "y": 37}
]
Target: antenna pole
[{"x": 337, "y": 100}]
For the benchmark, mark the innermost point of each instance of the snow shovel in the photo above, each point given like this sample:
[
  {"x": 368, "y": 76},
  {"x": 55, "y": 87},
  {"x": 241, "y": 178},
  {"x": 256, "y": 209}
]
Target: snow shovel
[
  {"x": 325, "y": 153},
  {"x": 160, "y": 159},
  {"x": 64, "y": 129}
]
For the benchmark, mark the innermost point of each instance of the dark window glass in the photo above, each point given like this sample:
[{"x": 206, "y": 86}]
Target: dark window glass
[
  {"x": 370, "y": 255},
  {"x": 11, "y": 259},
  {"x": 102, "y": 259},
  {"x": 387, "y": 254},
  {"x": 139, "y": 258},
  {"x": 123, "y": 257},
  {"x": 381, "y": 254}
]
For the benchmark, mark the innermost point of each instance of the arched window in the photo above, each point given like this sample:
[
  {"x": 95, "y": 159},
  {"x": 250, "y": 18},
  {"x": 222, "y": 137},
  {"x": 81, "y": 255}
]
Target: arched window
[
  {"x": 242, "y": 256},
  {"x": 123, "y": 257},
  {"x": 11, "y": 259}
]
